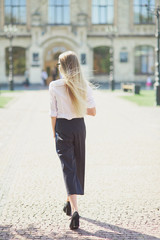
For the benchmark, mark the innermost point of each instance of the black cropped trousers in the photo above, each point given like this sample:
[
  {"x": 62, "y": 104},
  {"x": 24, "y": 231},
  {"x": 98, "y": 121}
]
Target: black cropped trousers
[{"x": 70, "y": 147}]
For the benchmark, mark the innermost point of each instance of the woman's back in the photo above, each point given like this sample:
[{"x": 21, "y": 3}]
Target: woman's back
[{"x": 61, "y": 103}]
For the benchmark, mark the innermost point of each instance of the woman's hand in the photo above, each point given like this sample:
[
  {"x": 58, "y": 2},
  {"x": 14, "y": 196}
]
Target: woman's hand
[
  {"x": 53, "y": 122},
  {"x": 91, "y": 111}
]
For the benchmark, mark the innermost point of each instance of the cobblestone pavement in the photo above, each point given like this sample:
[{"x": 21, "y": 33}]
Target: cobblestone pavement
[{"x": 122, "y": 193}]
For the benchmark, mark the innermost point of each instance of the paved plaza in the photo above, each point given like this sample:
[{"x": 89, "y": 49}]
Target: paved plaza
[{"x": 122, "y": 187}]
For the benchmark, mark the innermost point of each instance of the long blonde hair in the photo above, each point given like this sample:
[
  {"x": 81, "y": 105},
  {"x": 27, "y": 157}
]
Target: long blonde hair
[{"x": 75, "y": 83}]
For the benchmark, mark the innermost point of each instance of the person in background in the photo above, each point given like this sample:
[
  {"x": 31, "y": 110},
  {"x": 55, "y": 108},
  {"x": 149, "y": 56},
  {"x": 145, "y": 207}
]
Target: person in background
[
  {"x": 54, "y": 73},
  {"x": 70, "y": 100},
  {"x": 26, "y": 75},
  {"x": 148, "y": 82},
  {"x": 44, "y": 77}
]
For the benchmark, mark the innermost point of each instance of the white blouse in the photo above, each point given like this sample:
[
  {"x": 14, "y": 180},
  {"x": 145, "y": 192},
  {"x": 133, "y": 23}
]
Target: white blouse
[{"x": 60, "y": 102}]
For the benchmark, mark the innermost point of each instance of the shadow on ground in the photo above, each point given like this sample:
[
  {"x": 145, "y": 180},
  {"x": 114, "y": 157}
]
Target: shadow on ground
[
  {"x": 110, "y": 232},
  {"x": 114, "y": 232}
]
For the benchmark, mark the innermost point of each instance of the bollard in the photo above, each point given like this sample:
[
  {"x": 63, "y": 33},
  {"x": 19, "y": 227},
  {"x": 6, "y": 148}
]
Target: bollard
[
  {"x": 158, "y": 95},
  {"x": 137, "y": 89},
  {"x": 112, "y": 85}
]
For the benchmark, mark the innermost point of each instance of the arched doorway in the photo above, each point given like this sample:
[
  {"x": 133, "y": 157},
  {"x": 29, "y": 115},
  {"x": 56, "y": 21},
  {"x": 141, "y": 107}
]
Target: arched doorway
[
  {"x": 101, "y": 60},
  {"x": 19, "y": 60},
  {"x": 144, "y": 60},
  {"x": 52, "y": 48}
]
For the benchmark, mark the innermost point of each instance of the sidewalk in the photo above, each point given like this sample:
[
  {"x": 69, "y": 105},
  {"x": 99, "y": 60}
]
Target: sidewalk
[{"x": 122, "y": 189}]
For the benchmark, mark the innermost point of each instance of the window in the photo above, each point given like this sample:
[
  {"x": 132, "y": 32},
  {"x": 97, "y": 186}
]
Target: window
[
  {"x": 15, "y": 11},
  {"x": 124, "y": 57},
  {"x": 59, "y": 12},
  {"x": 35, "y": 57},
  {"x": 144, "y": 60},
  {"x": 102, "y": 11},
  {"x": 19, "y": 60},
  {"x": 102, "y": 60},
  {"x": 142, "y": 13},
  {"x": 83, "y": 59}
]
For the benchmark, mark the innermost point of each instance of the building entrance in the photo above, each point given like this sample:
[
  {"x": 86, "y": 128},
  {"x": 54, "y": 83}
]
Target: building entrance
[{"x": 50, "y": 63}]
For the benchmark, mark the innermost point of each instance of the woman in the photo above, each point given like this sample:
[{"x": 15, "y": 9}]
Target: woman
[{"x": 70, "y": 99}]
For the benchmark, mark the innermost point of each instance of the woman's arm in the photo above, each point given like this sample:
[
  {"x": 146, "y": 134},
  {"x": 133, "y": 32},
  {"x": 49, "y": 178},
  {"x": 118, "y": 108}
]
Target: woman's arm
[
  {"x": 53, "y": 122},
  {"x": 91, "y": 111}
]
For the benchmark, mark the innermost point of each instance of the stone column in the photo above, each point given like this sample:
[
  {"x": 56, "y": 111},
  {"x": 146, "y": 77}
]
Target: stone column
[
  {"x": 131, "y": 16},
  {"x": 28, "y": 14},
  {"x": 35, "y": 66},
  {"x": 115, "y": 20},
  {"x": 90, "y": 62},
  {"x": 89, "y": 21},
  {"x": 1, "y": 14}
]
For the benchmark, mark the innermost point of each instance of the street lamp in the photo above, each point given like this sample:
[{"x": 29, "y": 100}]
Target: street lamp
[
  {"x": 10, "y": 32},
  {"x": 111, "y": 69},
  {"x": 157, "y": 72},
  {"x": 112, "y": 31},
  {"x": 156, "y": 12}
]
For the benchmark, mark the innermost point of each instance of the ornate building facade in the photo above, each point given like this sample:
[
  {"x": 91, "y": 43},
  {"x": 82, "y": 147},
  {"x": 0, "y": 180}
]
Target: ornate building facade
[{"x": 109, "y": 36}]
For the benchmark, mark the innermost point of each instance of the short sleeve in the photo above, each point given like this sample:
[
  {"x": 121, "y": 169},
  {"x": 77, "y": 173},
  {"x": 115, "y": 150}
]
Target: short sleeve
[
  {"x": 53, "y": 102},
  {"x": 90, "y": 99}
]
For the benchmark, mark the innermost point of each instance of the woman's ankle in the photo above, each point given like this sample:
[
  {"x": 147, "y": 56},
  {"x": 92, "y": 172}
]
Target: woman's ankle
[{"x": 74, "y": 210}]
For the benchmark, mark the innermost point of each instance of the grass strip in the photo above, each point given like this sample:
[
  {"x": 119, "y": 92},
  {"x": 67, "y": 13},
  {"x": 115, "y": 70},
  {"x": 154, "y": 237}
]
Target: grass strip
[
  {"x": 4, "y": 100},
  {"x": 145, "y": 98}
]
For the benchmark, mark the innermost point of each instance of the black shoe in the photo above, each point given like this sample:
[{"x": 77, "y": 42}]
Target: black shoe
[
  {"x": 74, "y": 224},
  {"x": 67, "y": 208}
]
